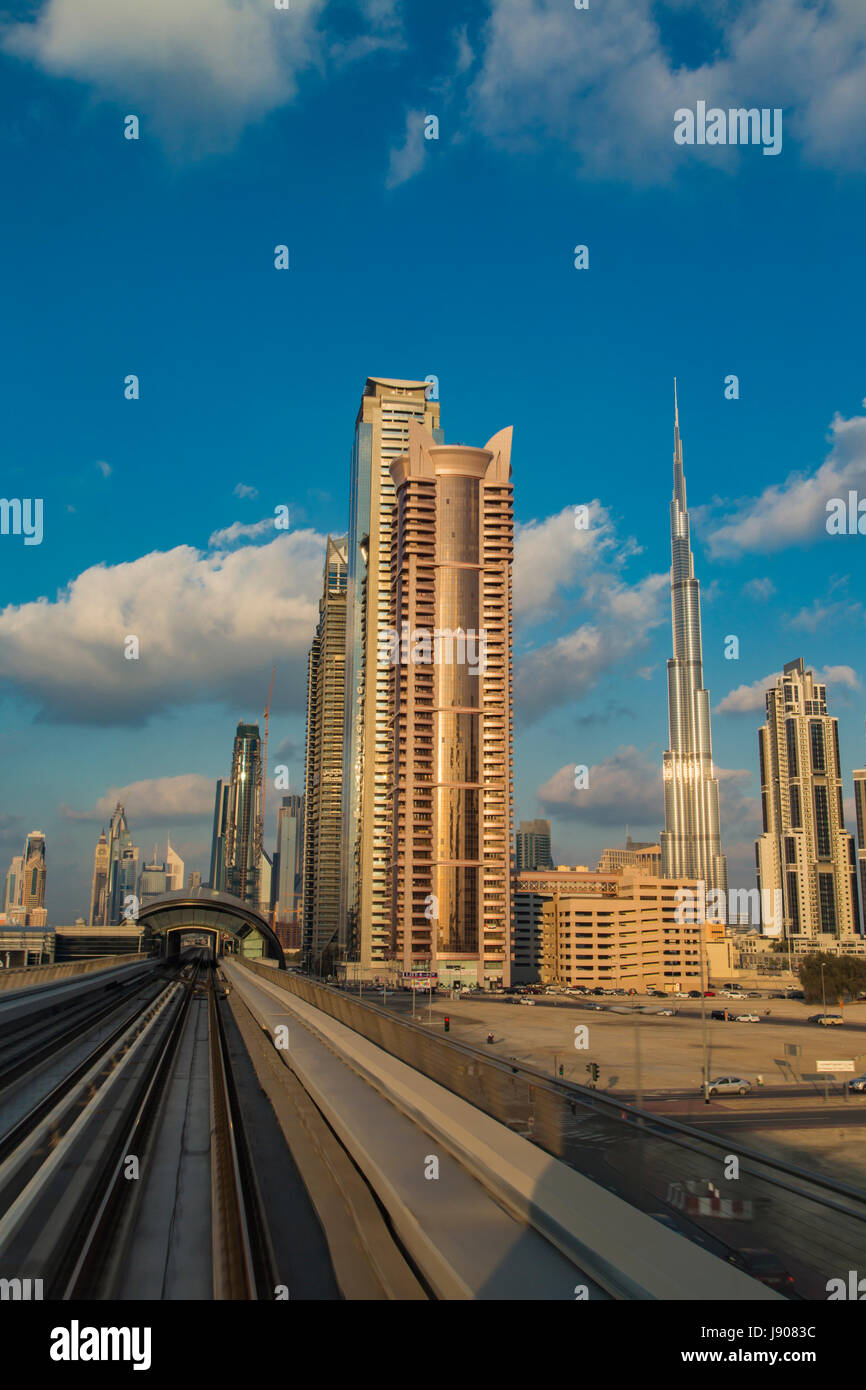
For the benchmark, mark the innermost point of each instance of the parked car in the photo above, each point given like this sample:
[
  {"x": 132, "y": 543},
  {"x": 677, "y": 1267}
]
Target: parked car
[
  {"x": 694, "y": 994},
  {"x": 530, "y": 1002},
  {"x": 765, "y": 1266},
  {"x": 721, "y": 1014},
  {"x": 857, "y": 1083},
  {"x": 747, "y": 1018},
  {"x": 827, "y": 1020},
  {"x": 709, "y": 994},
  {"x": 754, "y": 994},
  {"x": 729, "y": 1086},
  {"x": 733, "y": 994},
  {"x": 665, "y": 1013}
]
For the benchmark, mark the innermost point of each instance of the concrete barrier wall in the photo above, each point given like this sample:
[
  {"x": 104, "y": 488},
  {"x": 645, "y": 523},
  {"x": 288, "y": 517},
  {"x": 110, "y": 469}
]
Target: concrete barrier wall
[{"x": 32, "y": 976}]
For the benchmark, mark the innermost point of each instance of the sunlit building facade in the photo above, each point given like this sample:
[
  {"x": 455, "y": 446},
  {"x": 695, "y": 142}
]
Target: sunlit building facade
[{"x": 448, "y": 666}]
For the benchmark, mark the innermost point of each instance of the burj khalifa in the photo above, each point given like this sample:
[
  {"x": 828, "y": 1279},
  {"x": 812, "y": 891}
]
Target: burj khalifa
[{"x": 691, "y": 842}]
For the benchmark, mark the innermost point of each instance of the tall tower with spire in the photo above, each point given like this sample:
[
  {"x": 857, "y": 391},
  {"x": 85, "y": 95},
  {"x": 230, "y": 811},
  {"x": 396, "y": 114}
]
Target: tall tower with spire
[{"x": 691, "y": 842}]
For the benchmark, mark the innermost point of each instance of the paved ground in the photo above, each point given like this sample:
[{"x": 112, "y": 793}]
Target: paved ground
[{"x": 662, "y": 1058}]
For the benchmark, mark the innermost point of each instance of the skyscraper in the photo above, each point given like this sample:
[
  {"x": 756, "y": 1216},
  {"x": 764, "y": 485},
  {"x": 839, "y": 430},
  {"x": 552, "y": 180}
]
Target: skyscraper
[
  {"x": 381, "y": 435},
  {"x": 14, "y": 887},
  {"x": 860, "y": 812},
  {"x": 153, "y": 882},
  {"x": 99, "y": 888},
  {"x": 322, "y": 939},
  {"x": 217, "y": 879},
  {"x": 174, "y": 867},
  {"x": 447, "y": 654},
  {"x": 691, "y": 843},
  {"x": 533, "y": 845},
  {"x": 123, "y": 857},
  {"x": 805, "y": 852},
  {"x": 288, "y": 874},
  {"x": 243, "y": 826}
]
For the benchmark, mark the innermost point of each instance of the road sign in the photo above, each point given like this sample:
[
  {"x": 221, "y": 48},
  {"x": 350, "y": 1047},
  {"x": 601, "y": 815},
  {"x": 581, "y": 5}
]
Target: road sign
[{"x": 834, "y": 1066}]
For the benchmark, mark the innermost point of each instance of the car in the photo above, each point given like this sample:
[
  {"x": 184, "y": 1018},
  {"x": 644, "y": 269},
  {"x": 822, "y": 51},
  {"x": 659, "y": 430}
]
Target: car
[
  {"x": 754, "y": 994},
  {"x": 709, "y": 994},
  {"x": 747, "y": 1018},
  {"x": 733, "y": 994},
  {"x": 729, "y": 1086},
  {"x": 857, "y": 1083},
  {"x": 530, "y": 1002},
  {"x": 765, "y": 1266},
  {"x": 594, "y": 1006},
  {"x": 598, "y": 990},
  {"x": 619, "y": 991},
  {"x": 721, "y": 1014},
  {"x": 665, "y": 1013},
  {"x": 827, "y": 1020},
  {"x": 694, "y": 994}
]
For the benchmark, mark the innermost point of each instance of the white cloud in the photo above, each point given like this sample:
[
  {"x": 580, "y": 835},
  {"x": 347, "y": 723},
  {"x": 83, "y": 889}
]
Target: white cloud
[
  {"x": 245, "y": 490},
  {"x": 154, "y": 801},
  {"x": 746, "y": 699},
  {"x": 793, "y": 512},
  {"x": 195, "y": 71},
  {"x": 552, "y": 555},
  {"x": 209, "y": 628},
  {"x": 602, "y": 83},
  {"x": 759, "y": 589},
  {"x": 820, "y": 614},
  {"x": 241, "y": 530},
  {"x": 104, "y": 468},
  {"x": 625, "y": 787},
  {"x": 561, "y": 671},
  {"x": 406, "y": 160}
]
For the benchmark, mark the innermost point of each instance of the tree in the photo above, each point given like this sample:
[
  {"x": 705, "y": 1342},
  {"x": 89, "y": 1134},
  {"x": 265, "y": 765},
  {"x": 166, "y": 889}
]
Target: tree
[{"x": 844, "y": 977}]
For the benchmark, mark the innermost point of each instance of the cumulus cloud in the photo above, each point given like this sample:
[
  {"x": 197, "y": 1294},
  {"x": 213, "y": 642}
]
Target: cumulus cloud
[
  {"x": 195, "y": 72},
  {"x": 793, "y": 512},
  {"x": 746, "y": 699},
  {"x": 154, "y": 801},
  {"x": 624, "y": 787},
  {"x": 553, "y": 554},
  {"x": 606, "y": 86},
  {"x": 209, "y": 628},
  {"x": 562, "y": 670}
]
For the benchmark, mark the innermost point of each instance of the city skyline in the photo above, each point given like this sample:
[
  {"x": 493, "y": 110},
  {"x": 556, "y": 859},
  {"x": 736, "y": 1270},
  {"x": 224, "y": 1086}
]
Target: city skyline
[{"x": 580, "y": 848}]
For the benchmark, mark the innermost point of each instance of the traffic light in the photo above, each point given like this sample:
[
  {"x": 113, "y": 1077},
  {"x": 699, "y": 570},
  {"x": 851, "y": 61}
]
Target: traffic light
[
  {"x": 592, "y": 1068},
  {"x": 447, "y": 1023},
  {"x": 561, "y": 1069}
]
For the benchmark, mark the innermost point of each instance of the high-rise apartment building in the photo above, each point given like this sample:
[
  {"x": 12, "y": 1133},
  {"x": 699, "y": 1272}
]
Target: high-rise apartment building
[
  {"x": 34, "y": 871},
  {"x": 99, "y": 888},
  {"x": 381, "y": 435},
  {"x": 447, "y": 657},
  {"x": 805, "y": 852},
  {"x": 288, "y": 874},
  {"x": 532, "y": 843},
  {"x": 243, "y": 822},
  {"x": 323, "y": 940},
  {"x": 14, "y": 885},
  {"x": 691, "y": 845},
  {"x": 860, "y": 813}
]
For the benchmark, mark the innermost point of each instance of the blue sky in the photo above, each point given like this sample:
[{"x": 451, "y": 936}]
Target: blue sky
[{"x": 408, "y": 257}]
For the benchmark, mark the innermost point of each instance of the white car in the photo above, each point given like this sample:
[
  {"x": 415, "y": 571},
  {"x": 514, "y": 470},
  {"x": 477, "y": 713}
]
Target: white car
[
  {"x": 827, "y": 1020},
  {"x": 665, "y": 1013},
  {"x": 746, "y": 1018},
  {"x": 729, "y": 1085},
  {"x": 530, "y": 1002},
  {"x": 732, "y": 994}
]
